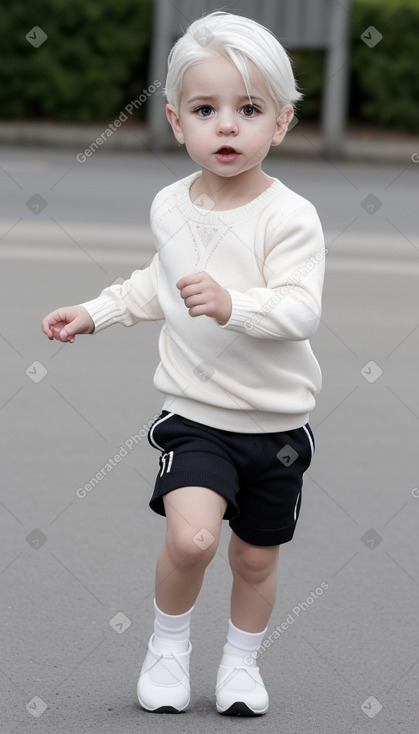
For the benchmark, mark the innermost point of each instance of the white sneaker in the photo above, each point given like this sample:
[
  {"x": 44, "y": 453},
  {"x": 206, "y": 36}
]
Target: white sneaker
[
  {"x": 163, "y": 686},
  {"x": 240, "y": 691}
]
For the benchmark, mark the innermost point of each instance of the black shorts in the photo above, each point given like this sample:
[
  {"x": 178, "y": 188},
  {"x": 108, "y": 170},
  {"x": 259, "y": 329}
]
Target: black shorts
[{"x": 259, "y": 474}]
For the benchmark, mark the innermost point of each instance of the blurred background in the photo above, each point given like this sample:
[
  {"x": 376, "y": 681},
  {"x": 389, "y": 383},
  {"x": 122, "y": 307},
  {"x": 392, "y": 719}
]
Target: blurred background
[
  {"x": 89, "y": 59},
  {"x": 83, "y": 151}
]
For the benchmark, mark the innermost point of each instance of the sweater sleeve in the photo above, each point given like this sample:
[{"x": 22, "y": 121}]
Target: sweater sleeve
[
  {"x": 289, "y": 307},
  {"x": 129, "y": 302}
]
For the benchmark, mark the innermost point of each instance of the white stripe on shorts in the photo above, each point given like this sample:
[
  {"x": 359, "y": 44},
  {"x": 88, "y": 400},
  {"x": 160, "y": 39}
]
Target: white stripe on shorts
[
  {"x": 295, "y": 508},
  {"x": 310, "y": 440},
  {"x": 169, "y": 415}
]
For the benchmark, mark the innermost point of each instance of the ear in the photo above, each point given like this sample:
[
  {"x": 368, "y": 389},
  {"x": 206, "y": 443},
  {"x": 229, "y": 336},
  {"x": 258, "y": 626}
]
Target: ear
[
  {"x": 283, "y": 120},
  {"x": 173, "y": 118}
]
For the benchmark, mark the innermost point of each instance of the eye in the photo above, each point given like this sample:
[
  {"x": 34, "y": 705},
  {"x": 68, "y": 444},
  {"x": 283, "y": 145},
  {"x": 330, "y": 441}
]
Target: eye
[
  {"x": 249, "y": 110},
  {"x": 204, "y": 111}
]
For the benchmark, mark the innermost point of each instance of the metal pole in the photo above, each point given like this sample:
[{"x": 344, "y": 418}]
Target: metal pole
[
  {"x": 159, "y": 129},
  {"x": 334, "y": 109}
]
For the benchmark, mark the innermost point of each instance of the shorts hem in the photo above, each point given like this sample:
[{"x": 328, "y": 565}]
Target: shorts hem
[
  {"x": 190, "y": 479},
  {"x": 261, "y": 536}
]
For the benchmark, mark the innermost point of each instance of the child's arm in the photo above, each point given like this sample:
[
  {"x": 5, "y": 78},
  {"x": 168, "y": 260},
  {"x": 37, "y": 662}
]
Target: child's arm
[
  {"x": 126, "y": 303},
  {"x": 289, "y": 306},
  {"x": 292, "y": 264}
]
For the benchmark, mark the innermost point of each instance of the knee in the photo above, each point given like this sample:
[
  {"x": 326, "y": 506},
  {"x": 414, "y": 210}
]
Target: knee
[
  {"x": 191, "y": 548},
  {"x": 254, "y": 563}
]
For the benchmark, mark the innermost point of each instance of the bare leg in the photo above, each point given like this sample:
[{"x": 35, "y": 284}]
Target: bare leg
[
  {"x": 194, "y": 516},
  {"x": 254, "y": 588}
]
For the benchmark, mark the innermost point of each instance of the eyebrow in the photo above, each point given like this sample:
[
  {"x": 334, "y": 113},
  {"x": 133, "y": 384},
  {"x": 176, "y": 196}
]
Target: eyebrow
[{"x": 205, "y": 97}]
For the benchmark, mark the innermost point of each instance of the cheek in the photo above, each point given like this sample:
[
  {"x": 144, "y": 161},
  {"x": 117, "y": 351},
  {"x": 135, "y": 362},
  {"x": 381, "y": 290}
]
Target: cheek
[
  {"x": 196, "y": 139},
  {"x": 261, "y": 136}
]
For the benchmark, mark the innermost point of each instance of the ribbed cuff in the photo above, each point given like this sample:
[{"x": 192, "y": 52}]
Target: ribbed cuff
[
  {"x": 103, "y": 311},
  {"x": 241, "y": 312}
]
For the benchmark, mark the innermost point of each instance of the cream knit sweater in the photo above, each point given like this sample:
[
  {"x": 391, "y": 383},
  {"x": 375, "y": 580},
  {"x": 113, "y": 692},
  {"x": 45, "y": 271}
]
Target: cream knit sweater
[{"x": 257, "y": 373}]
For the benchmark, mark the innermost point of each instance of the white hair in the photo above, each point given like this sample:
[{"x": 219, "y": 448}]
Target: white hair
[{"x": 238, "y": 39}]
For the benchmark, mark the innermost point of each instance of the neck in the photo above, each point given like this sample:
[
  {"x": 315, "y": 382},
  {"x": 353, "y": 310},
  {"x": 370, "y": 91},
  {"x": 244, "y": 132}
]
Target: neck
[{"x": 230, "y": 192}]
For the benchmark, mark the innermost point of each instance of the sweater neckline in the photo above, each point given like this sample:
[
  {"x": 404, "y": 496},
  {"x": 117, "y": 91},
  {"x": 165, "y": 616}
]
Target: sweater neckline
[{"x": 227, "y": 216}]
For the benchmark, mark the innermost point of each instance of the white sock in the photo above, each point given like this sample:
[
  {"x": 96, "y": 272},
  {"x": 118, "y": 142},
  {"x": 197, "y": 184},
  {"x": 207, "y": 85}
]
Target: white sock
[
  {"x": 171, "y": 631},
  {"x": 241, "y": 647}
]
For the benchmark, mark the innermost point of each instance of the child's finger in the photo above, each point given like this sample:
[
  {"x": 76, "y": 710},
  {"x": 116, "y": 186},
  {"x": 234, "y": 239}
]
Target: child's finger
[
  {"x": 76, "y": 326},
  {"x": 49, "y": 322},
  {"x": 66, "y": 337},
  {"x": 189, "y": 280},
  {"x": 47, "y": 327},
  {"x": 192, "y": 289}
]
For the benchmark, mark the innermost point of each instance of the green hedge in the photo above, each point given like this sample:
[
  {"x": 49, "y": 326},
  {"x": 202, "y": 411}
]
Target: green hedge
[
  {"x": 384, "y": 79},
  {"x": 95, "y": 60},
  {"x": 92, "y": 63}
]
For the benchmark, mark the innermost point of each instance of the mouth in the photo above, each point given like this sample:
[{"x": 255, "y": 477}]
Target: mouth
[{"x": 227, "y": 153}]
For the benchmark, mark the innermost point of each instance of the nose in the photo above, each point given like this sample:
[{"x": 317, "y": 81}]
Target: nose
[{"x": 226, "y": 123}]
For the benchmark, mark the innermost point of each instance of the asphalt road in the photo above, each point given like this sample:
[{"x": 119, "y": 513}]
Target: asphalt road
[{"x": 77, "y": 567}]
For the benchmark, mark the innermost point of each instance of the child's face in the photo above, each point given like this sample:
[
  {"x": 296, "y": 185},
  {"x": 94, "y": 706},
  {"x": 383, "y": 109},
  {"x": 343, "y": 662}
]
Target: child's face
[{"x": 222, "y": 130}]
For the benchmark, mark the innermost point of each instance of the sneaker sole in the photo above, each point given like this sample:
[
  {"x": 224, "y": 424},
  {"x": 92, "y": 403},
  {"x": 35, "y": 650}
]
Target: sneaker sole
[
  {"x": 240, "y": 709},
  {"x": 162, "y": 710}
]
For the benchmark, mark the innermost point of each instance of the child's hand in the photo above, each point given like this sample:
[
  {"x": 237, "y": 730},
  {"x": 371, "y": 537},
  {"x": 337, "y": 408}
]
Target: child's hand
[
  {"x": 64, "y": 323},
  {"x": 203, "y": 296}
]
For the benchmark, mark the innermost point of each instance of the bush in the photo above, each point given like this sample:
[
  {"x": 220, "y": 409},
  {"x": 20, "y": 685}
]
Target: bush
[
  {"x": 385, "y": 79},
  {"x": 93, "y": 62},
  {"x": 308, "y": 69}
]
